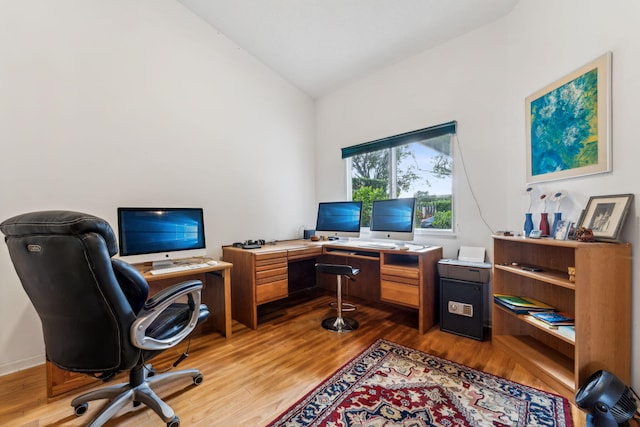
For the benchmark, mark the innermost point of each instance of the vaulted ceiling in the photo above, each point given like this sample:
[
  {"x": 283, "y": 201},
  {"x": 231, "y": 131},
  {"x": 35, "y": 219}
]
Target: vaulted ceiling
[{"x": 320, "y": 45}]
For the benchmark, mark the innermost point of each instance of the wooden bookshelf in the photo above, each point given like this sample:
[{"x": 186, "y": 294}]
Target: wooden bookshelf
[{"x": 600, "y": 300}]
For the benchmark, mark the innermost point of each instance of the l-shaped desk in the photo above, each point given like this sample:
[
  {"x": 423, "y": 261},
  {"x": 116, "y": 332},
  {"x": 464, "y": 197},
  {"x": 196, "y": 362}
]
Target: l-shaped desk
[{"x": 405, "y": 277}]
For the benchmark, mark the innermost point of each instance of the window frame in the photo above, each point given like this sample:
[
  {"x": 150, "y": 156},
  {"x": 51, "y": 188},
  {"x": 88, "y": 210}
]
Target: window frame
[{"x": 407, "y": 138}]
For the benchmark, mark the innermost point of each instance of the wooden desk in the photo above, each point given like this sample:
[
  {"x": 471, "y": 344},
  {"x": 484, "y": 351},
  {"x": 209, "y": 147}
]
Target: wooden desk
[
  {"x": 402, "y": 277},
  {"x": 216, "y": 294},
  {"x": 261, "y": 275}
]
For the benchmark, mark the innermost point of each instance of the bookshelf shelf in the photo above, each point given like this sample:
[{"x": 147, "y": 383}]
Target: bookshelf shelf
[
  {"x": 553, "y": 277},
  {"x": 599, "y": 299},
  {"x": 553, "y": 367},
  {"x": 560, "y": 333}
]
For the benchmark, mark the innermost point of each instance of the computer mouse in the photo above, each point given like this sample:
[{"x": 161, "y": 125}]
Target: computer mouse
[{"x": 212, "y": 262}]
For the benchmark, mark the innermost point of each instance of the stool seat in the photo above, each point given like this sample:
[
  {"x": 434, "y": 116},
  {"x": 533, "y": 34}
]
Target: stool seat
[
  {"x": 338, "y": 323},
  {"x": 345, "y": 270}
]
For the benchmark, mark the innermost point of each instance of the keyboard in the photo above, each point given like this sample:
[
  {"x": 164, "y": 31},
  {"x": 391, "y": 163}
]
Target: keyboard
[
  {"x": 375, "y": 245},
  {"x": 178, "y": 268}
]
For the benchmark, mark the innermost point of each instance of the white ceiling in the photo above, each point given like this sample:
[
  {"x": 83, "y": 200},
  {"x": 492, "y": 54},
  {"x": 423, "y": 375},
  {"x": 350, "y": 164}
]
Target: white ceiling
[{"x": 319, "y": 45}]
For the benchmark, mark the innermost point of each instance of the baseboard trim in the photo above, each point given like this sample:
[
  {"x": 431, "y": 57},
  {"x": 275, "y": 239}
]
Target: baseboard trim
[{"x": 20, "y": 365}]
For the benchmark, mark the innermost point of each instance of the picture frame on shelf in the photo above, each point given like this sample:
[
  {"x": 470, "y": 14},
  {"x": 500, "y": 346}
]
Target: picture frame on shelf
[
  {"x": 572, "y": 231},
  {"x": 605, "y": 215},
  {"x": 562, "y": 229},
  {"x": 569, "y": 125}
]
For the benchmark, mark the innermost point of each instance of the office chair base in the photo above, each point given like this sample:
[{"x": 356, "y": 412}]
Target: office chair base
[
  {"x": 340, "y": 324},
  {"x": 123, "y": 394}
]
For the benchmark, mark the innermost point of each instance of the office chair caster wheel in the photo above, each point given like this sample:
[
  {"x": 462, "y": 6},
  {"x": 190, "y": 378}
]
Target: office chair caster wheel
[
  {"x": 197, "y": 380},
  {"x": 80, "y": 409},
  {"x": 175, "y": 422}
]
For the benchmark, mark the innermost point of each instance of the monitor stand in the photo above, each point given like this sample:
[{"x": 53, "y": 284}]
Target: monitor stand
[{"x": 159, "y": 265}]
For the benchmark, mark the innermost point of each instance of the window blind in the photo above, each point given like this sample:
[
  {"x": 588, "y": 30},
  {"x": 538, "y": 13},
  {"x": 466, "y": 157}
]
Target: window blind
[{"x": 402, "y": 139}]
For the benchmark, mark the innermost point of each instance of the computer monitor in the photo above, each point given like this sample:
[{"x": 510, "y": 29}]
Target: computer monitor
[
  {"x": 160, "y": 235},
  {"x": 393, "y": 219},
  {"x": 339, "y": 219}
]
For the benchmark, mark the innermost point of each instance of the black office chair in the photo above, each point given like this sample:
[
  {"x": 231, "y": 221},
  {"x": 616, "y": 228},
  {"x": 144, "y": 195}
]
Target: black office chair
[{"x": 95, "y": 315}]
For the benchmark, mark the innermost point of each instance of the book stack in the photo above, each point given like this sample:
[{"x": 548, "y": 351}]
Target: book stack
[
  {"x": 522, "y": 305},
  {"x": 554, "y": 318}
]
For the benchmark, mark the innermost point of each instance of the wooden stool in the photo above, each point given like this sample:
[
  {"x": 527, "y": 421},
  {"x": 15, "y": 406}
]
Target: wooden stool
[{"x": 338, "y": 323}]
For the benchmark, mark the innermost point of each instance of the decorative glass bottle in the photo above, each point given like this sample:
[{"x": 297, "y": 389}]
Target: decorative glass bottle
[
  {"x": 556, "y": 217},
  {"x": 544, "y": 223},
  {"x": 528, "y": 224}
]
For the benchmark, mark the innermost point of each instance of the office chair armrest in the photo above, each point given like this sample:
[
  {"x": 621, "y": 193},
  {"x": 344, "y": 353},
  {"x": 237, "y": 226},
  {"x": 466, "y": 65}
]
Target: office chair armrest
[
  {"x": 171, "y": 292},
  {"x": 156, "y": 305}
]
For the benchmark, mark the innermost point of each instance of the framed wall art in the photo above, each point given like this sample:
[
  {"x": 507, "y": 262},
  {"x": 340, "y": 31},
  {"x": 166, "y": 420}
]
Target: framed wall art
[
  {"x": 605, "y": 215},
  {"x": 568, "y": 125}
]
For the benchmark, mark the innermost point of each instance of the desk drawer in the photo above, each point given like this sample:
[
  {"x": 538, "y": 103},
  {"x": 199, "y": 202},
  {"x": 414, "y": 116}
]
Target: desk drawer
[
  {"x": 272, "y": 291},
  {"x": 271, "y": 275},
  {"x": 304, "y": 253},
  {"x": 399, "y": 293},
  {"x": 272, "y": 258},
  {"x": 410, "y": 273}
]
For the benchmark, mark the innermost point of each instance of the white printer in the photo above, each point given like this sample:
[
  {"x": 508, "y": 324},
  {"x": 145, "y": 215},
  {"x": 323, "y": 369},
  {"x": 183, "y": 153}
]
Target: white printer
[{"x": 470, "y": 266}]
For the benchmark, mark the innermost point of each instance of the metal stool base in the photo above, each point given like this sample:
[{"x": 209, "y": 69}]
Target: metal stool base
[
  {"x": 340, "y": 324},
  {"x": 345, "y": 306}
]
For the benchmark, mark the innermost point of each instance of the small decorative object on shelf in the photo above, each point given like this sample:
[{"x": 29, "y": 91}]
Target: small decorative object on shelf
[
  {"x": 562, "y": 228},
  {"x": 572, "y": 274},
  {"x": 584, "y": 234},
  {"x": 557, "y": 216},
  {"x": 528, "y": 224},
  {"x": 544, "y": 217},
  {"x": 528, "y": 220},
  {"x": 544, "y": 224}
]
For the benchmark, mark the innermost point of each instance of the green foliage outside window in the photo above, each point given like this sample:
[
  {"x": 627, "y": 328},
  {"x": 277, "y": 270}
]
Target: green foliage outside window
[{"x": 367, "y": 195}]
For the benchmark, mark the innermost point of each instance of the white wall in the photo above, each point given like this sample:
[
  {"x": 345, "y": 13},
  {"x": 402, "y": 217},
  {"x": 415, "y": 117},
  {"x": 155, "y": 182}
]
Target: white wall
[
  {"x": 462, "y": 80},
  {"x": 140, "y": 103},
  {"x": 481, "y": 80}
]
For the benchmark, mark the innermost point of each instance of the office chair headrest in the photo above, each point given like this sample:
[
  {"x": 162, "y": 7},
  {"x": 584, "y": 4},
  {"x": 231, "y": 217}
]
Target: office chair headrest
[{"x": 60, "y": 222}]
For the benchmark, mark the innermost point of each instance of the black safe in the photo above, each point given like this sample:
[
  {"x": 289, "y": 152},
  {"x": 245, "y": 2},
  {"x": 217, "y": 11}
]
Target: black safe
[{"x": 462, "y": 307}]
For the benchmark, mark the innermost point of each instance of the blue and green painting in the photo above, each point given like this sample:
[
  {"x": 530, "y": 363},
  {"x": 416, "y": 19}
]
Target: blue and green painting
[{"x": 564, "y": 126}]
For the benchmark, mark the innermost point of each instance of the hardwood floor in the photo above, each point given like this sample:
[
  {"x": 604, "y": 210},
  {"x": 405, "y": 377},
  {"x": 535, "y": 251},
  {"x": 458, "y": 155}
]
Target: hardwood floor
[{"x": 252, "y": 377}]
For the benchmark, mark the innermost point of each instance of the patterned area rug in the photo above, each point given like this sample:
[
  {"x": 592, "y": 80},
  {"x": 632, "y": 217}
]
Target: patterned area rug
[{"x": 389, "y": 385}]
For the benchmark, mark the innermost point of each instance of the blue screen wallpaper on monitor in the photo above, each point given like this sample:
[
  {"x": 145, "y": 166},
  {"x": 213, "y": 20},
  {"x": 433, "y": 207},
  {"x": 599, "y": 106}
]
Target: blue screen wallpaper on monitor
[
  {"x": 339, "y": 216},
  {"x": 162, "y": 230},
  {"x": 392, "y": 215}
]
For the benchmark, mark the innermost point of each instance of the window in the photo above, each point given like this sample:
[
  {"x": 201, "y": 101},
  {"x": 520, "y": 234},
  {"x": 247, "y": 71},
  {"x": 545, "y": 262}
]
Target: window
[{"x": 414, "y": 164}]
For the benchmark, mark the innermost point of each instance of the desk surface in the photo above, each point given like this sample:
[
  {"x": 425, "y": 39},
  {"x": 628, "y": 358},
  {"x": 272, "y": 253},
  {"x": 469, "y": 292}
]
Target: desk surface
[
  {"x": 145, "y": 269},
  {"x": 283, "y": 245}
]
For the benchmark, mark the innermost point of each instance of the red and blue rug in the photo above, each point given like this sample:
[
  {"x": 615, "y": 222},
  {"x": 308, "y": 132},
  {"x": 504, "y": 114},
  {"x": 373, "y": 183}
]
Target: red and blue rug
[{"x": 389, "y": 385}]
